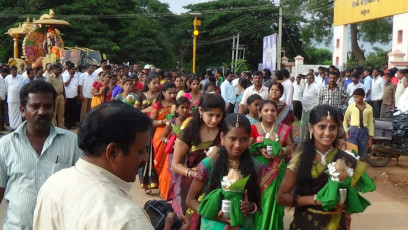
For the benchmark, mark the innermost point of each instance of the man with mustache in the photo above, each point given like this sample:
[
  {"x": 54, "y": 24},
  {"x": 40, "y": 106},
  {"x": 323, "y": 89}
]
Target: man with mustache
[
  {"x": 32, "y": 153},
  {"x": 96, "y": 193}
]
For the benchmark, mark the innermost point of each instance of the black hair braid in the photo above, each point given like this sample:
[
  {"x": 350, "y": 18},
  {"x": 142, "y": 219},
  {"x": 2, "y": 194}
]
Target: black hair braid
[{"x": 246, "y": 167}]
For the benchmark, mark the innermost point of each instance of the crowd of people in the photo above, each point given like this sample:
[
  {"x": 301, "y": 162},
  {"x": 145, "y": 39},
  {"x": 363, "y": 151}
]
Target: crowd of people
[{"x": 185, "y": 132}]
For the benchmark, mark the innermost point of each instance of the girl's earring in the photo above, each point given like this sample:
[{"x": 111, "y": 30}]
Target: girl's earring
[
  {"x": 201, "y": 116},
  {"x": 311, "y": 135},
  {"x": 222, "y": 142}
]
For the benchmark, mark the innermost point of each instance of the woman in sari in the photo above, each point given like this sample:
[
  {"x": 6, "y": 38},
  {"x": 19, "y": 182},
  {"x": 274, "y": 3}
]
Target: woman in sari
[
  {"x": 198, "y": 134},
  {"x": 232, "y": 154},
  {"x": 108, "y": 90},
  {"x": 96, "y": 90},
  {"x": 194, "y": 95},
  {"x": 149, "y": 95},
  {"x": 269, "y": 128},
  {"x": 285, "y": 115},
  {"x": 160, "y": 110},
  {"x": 179, "y": 84},
  {"x": 127, "y": 96},
  {"x": 173, "y": 127},
  {"x": 306, "y": 174}
]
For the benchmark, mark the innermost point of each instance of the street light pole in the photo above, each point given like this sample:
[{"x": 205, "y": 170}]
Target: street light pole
[{"x": 279, "y": 48}]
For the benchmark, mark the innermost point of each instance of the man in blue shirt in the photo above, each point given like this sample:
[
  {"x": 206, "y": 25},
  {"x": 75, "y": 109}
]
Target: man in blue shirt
[
  {"x": 228, "y": 92},
  {"x": 32, "y": 153}
]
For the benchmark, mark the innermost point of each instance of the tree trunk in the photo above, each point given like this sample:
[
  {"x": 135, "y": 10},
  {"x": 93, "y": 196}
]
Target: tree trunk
[{"x": 355, "y": 48}]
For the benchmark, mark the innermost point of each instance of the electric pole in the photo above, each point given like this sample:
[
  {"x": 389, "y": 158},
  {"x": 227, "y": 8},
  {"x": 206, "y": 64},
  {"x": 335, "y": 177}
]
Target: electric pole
[{"x": 279, "y": 48}]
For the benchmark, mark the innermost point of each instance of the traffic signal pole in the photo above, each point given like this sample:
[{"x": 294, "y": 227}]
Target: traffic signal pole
[
  {"x": 196, "y": 23},
  {"x": 194, "y": 45}
]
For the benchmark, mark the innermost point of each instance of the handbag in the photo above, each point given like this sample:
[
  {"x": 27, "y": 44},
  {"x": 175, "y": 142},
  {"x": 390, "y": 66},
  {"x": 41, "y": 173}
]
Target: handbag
[{"x": 157, "y": 211}]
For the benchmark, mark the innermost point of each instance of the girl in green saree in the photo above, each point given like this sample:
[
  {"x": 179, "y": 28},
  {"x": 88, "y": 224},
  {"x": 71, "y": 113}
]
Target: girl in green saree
[
  {"x": 305, "y": 175},
  {"x": 232, "y": 154},
  {"x": 272, "y": 214}
]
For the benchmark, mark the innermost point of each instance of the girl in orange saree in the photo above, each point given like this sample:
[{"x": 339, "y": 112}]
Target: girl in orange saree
[
  {"x": 173, "y": 127},
  {"x": 160, "y": 110}
]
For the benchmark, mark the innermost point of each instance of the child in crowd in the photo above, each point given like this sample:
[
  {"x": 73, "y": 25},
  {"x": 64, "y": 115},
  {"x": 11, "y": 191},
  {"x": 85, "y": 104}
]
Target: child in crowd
[
  {"x": 167, "y": 177},
  {"x": 253, "y": 108},
  {"x": 361, "y": 129}
]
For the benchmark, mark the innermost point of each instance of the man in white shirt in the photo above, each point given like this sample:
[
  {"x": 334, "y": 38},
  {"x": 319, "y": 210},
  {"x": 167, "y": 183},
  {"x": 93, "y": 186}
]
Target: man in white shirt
[
  {"x": 403, "y": 102},
  {"x": 228, "y": 92},
  {"x": 47, "y": 71},
  {"x": 95, "y": 193},
  {"x": 377, "y": 90},
  {"x": 319, "y": 79},
  {"x": 298, "y": 86},
  {"x": 71, "y": 82},
  {"x": 256, "y": 88},
  {"x": 287, "y": 96},
  {"x": 367, "y": 82},
  {"x": 355, "y": 84},
  {"x": 309, "y": 101},
  {"x": 2, "y": 98},
  {"x": 13, "y": 84},
  {"x": 102, "y": 68},
  {"x": 86, "y": 81},
  {"x": 400, "y": 86}
]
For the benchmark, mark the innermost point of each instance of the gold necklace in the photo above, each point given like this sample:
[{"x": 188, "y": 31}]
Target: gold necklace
[
  {"x": 267, "y": 134},
  {"x": 234, "y": 164}
]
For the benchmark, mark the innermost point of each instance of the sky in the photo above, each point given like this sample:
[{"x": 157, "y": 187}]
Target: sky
[{"x": 176, "y": 6}]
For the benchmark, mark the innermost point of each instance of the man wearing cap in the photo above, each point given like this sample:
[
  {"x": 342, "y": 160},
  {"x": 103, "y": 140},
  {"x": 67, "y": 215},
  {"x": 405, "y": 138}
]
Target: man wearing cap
[{"x": 361, "y": 129}]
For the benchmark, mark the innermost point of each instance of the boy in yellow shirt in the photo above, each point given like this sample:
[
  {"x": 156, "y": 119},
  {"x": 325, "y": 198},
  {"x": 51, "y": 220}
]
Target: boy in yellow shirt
[{"x": 361, "y": 129}]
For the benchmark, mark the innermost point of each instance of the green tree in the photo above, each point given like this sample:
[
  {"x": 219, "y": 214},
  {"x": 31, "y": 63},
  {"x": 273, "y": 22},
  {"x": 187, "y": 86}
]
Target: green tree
[
  {"x": 252, "y": 19},
  {"x": 126, "y": 30},
  {"x": 318, "y": 20},
  {"x": 318, "y": 56}
]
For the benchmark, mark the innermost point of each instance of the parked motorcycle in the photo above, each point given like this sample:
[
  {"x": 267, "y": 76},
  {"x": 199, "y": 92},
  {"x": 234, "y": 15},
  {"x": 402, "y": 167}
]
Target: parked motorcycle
[{"x": 390, "y": 140}]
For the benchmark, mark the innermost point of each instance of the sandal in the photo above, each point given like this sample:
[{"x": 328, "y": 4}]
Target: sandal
[{"x": 148, "y": 191}]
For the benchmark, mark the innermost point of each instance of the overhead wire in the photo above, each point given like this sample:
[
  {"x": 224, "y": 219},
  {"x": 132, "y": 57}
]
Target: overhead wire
[{"x": 262, "y": 22}]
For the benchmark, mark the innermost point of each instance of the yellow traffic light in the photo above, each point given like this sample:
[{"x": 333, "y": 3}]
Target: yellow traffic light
[{"x": 196, "y": 32}]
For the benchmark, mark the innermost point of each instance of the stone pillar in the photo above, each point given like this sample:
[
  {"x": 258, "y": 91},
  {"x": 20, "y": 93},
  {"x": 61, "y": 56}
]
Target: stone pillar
[
  {"x": 340, "y": 46},
  {"x": 298, "y": 62},
  {"x": 398, "y": 56}
]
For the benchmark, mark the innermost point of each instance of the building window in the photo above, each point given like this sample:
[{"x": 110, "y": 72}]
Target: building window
[
  {"x": 399, "y": 37},
  {"x": 337, "y": 43},
  {"x": 337, "y": 61}
]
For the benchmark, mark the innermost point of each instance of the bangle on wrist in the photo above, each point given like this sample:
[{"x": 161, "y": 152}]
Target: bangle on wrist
[
  {"x": 188, "y": 172},
  {"x": 314, "y": 199},
  {"x": 255, "y": 208},
  {"x": 283, "y": 151}
]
